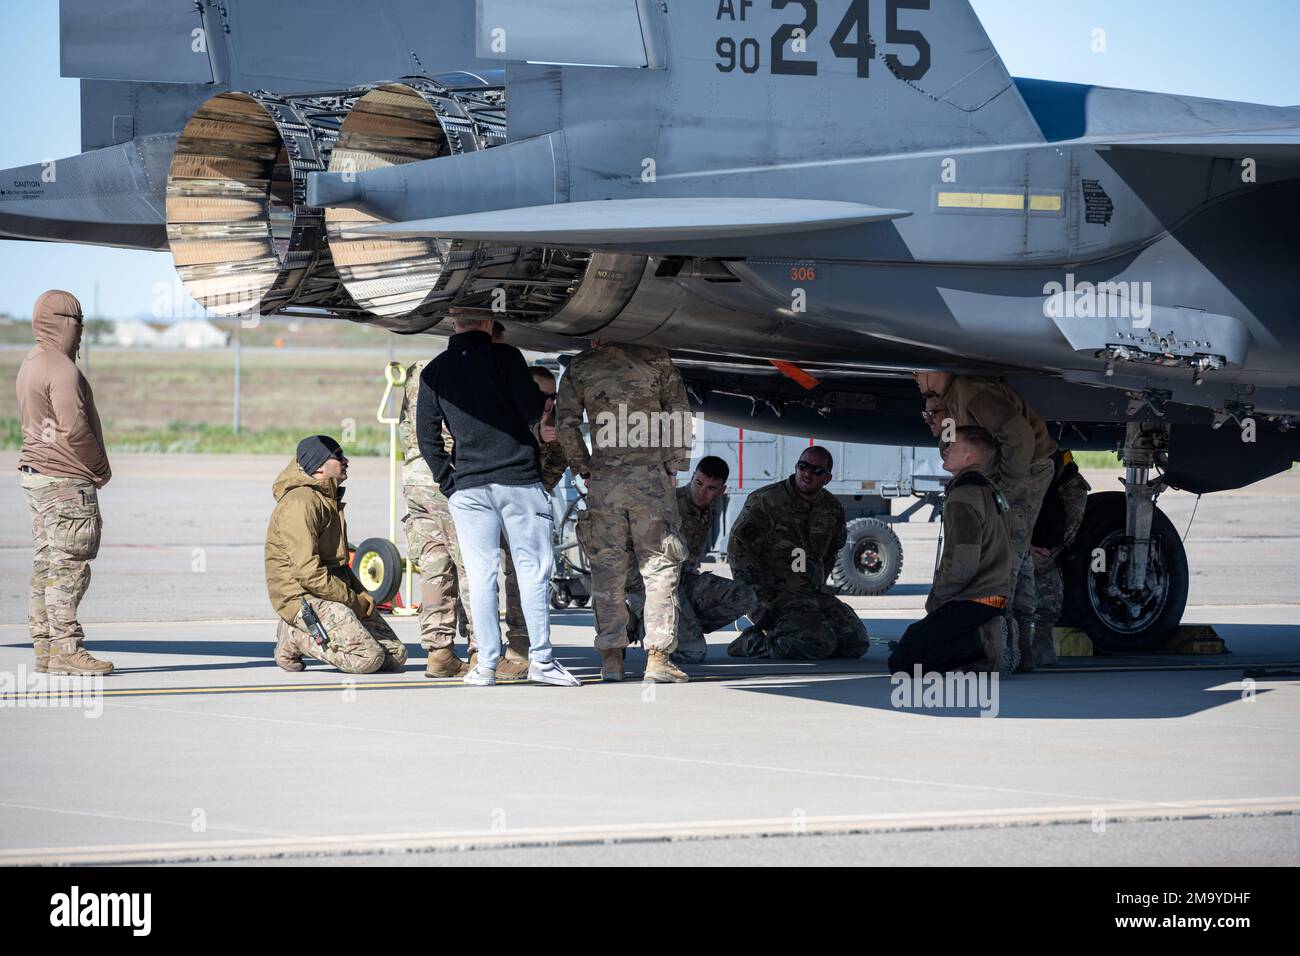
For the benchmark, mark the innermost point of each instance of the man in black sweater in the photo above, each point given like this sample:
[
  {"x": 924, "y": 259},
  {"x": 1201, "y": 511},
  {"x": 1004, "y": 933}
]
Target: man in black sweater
[{"x": 492, "y": 479}]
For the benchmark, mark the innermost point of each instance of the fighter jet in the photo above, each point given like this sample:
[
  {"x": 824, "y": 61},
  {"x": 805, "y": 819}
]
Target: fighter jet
[{"x": 804, "y": 200}]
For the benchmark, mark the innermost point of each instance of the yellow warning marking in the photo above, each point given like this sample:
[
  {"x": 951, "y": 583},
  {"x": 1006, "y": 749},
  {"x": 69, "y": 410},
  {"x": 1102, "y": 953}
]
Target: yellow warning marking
[
  {"x": 1006, "y": 201},
  {"x": 1001, "y": 202}
]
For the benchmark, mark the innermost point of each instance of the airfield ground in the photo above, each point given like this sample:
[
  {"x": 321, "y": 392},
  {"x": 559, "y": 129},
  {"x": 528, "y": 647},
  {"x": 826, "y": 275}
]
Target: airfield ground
[{"x": 206, "y": 750}]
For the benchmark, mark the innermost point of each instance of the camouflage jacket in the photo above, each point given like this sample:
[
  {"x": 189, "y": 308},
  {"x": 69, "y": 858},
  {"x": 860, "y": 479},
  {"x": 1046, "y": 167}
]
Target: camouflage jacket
[
  {"x": 1020, "y": 433},
  {"x": 415, "y": 470},
  {"x": 696, "y": 525},
  {"x": 637, "y": 409},
  {"x": 554, "y": 461},
  {"x": 785, "y": 542}
]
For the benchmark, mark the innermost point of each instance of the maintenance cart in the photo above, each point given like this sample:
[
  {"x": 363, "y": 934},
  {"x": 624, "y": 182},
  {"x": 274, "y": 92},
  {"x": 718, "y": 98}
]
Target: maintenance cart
[{"x": 867, "y": 480}]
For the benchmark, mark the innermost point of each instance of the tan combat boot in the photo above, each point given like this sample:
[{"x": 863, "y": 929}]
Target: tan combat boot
[
  {"x": 661, "y": 670},
  {"x": 288, "y": 648},
  {"x": 517, "y": 649},
  {"x": 443, "y": 662},
  {"x": 42, "y": 647},
  {"x": 71, "y": 657},
  {"x": 611, "y": 665},
  {"x": 514, "y": 662}
]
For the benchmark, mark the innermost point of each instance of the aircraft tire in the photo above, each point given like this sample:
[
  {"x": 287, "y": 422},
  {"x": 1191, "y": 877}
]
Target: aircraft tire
[
  {"x": 1109, "y": 619},
  {"x": 378, "y": 566},
  {"x": 871, "y": 559}
]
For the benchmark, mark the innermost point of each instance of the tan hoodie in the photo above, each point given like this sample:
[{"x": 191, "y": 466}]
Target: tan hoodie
[
  {"x": 61, "y": 432},
  {"x": 307, "y": 545}
]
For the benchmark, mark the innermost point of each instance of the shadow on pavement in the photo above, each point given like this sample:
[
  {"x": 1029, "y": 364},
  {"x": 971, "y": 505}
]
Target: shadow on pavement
[{"x": 1113, "y": 696}]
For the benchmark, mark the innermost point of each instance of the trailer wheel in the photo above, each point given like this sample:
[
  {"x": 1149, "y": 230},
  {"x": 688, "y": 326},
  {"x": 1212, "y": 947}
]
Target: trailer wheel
[
  {"x": 378, "y": 566},
  {"x": 871, "y": 559},
  {"x": 560, "y": 597}
]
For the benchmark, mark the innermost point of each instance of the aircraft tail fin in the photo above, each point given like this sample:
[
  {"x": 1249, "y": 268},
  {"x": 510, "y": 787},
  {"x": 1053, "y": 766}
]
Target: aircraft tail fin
[{"x": 786, "y": 80}]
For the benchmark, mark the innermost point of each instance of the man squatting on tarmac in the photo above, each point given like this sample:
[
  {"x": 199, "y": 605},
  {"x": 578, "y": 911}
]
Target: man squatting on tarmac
[{"x": 484, "y": 440}]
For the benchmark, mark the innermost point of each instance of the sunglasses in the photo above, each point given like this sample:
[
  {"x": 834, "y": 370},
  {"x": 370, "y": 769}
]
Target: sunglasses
[{"x": 816, "y": 471}]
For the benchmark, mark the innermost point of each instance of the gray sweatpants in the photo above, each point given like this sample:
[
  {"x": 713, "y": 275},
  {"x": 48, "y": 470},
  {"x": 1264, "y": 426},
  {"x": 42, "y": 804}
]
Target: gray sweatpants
[{"x": 523, "y": 514}]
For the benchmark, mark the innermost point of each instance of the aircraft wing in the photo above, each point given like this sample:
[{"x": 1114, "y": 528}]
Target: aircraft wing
[{"x": 623, "y": 223}]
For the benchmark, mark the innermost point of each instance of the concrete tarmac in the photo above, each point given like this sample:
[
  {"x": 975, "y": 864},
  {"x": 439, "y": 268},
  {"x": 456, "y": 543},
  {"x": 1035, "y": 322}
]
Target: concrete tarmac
[{"x": 201, "y": 749}]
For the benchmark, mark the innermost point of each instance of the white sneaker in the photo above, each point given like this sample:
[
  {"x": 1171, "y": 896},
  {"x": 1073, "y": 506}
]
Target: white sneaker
[
  {"x": 480, "y": 677},
  {"x": 552, "y": 672}
]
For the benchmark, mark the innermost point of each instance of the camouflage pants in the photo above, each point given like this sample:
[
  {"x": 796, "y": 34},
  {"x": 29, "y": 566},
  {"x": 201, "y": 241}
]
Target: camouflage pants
[
  {"x": 1049, "y": 586},
  {"x": 705, "y": 603},
  {"x": 809, "y": 626},
  {"x": 66, "y": 527},
  {"x": 633, "y": 508},
  {"x": 431, "y": 543},
  {"x": 444, "y": 591},
  {"x": 516, "y": 626},
  {"x": 354, "y": 646},
  {"x": 1026, "y": 499}
]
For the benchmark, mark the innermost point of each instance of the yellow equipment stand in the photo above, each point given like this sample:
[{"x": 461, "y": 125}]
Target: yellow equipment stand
[{"x": 395, "y": 376}]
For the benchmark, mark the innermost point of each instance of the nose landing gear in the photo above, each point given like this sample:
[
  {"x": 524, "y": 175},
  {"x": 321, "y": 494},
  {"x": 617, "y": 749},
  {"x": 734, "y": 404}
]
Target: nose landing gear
[{"x": 1126, "y": 574}]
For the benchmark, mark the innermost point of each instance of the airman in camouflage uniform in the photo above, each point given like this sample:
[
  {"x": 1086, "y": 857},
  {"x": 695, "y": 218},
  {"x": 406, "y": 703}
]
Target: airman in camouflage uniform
[
  {"x": 783, "y": 545},
  {"x": 306, "y": 557},
  {"x": 431, "y": 544},
  {"x": 1023, "y": 473},
  {"x": 639, "y": 416},
  {"x": 1073, "y": 490},
  {"x": 63, "y": 464},
  {"x": 66, "y": 528},
  {"x": 705, "y": 602}
]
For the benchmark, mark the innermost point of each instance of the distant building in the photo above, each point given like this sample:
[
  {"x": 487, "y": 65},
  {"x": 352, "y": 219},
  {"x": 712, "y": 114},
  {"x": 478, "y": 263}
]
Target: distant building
[
  {"x": 132, "y": 334},
  {"x": 192, "y": 334}
]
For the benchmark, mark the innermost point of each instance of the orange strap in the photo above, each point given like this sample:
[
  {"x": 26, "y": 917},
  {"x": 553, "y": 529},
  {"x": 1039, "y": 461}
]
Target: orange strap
[
  {"x": 794, "y": 372},
  {"x": 998, "y": 601}
]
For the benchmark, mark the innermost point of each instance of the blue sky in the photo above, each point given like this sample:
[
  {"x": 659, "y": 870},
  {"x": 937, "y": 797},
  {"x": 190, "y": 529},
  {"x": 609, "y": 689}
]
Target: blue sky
[{"x": 1225, "y": 49}]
